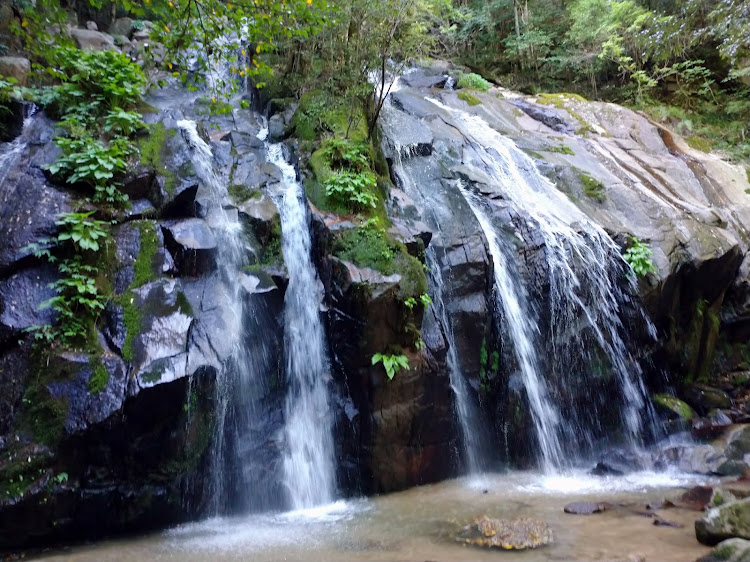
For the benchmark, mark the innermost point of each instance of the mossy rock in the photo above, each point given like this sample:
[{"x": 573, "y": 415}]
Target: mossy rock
[
  {"x": 593, "y": 188},
  {"x": 370, "y": 246},
  {"x": 674, "y": 405},
  {"x": 319, "y": 113},
  {"x": 506, "y": 534},
  {"x": 469, "y": 98}
]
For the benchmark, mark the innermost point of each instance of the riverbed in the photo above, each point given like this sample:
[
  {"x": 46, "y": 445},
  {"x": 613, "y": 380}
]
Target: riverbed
[{"x": 418, "y": 525}]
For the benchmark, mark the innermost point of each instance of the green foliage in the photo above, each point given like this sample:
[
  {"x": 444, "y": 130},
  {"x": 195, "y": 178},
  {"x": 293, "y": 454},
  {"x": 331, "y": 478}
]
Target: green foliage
[
  {"x": 347, "y": 154},
  {"x": 143, "y": 268},
  {"x": 473, "y": 81},
  {"x": 81, "y": 230},
  {"x": 392, "y": 363},
  {"x": 469, "y": 98},
  {"x": 123, "y": 123},
  {"x": 370, "y": 246},
  {"x": 424, "y": 298},
  {"x": 78, "y": 302},
  {"x": 562, "y": 149},
  {"x": 352, "y": 190},
  {"x": 100, "y": 80},
  {"x": 638, "y": 256},
  {"x": 99, "y": 375},
  {"x": 60, "y": 478}
]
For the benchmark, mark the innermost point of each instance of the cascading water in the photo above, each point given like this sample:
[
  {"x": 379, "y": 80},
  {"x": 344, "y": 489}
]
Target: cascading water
[
  {"x": 309, "y": 471},
  {"x": 10, "y": 152},
  {"x": 584, "y": 301},
  {"x": 241, "y": 380},
  {"x": 511, "y": 299}
]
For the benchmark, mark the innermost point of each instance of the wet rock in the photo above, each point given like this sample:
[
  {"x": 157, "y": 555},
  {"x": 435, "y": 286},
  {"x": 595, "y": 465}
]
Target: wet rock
[
  {"x": 506, "y": 534},
  {"x": 659, "y": 522},
  {"x": 705, "y": 398},
  {"x": 697, "y": 498},
  {"x": 88, "y": 39},
  {"x": 15, "y": 366},
  {"x": 424, "y": 79},
  {"x": 733, "y": 468},
  {"x": 192, "y": 245},
  {"x": 276, "y": 128},
  {"x": 730, "y": 550},
  {"x": 263, "y": 218},
  {"x": 142, "y": 240},
  {"x": 701, "y": 459},
  {"x": 731, "y": 520},
  {"x": 550, "y": 116},
  {"x": 738, "y": 444},
  {"x": 21, "y": 298},
  {"x": 29, "y": 207},
  {"x": 603, "y": 469},
  {"x": 585, "y": 508}
]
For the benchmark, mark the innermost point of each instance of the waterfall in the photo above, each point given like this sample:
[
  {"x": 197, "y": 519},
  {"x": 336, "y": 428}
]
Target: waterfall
[
  {"x": 241, "y": 380},
  {"x": 309, "y": 470},
  {"x": 585, "y": 301},
  {"x": 510, "y": 297}
]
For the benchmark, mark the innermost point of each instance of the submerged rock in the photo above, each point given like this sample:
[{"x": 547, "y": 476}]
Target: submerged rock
[
  {"x": 508, "y": 534},
  {"x": 585, "y": 508}
]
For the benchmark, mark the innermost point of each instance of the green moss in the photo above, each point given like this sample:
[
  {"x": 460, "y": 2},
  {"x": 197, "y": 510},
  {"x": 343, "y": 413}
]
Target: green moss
[
  {"x": 241, "y": 193},
  {"x": 183, "y": 305},
  {"x": 469, "y": 98},
  {"x": 131, "y": 315},
  {"x": 319, "y": 114},
  {"x": 562, "y": 149},
  {"x": 592, "y": 188},
  {"x": 272, "y": 252},
  {"x": 675, "y": 405},
  {"x": 723, "y": 552},
  {"x": 559, "y": 99},
  {"x": 99, "y": 375},
  {"x": 699, "y": 143},
  {"x": 370, "y": 246},
  {"x": 143, "y": 269},
  {"x": 151, "y": 149},
  {"x": 152, "y": 376},
  {"x": 43, "y": 415},
  {"x": 747, "y": 173},
  {"x": 19, "y": 470}
]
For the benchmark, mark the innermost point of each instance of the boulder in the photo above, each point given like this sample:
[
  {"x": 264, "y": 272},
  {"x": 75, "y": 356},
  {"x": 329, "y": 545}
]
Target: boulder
[
  {"x": 506, "y": 534},
  {"x": 730, "y": 520},
  {"x": 738, "y": 444},
  {"x": 122, "y": 26},
  {"x": 700, "y": 459},
  {"x": 15, "y": 67},
  {"x": 192, "y": 245},
  {"x": 705, "y": 398},
  {"x": 730, "y": 550},
  {"x": 88, "y": 39}
]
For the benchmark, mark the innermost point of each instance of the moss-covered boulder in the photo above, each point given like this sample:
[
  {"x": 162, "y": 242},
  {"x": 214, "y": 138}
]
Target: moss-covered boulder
[
  {"x": 506, "y": 534},
  {"x": 729, "y": 520},
  {"x": 730, "y": 550}
]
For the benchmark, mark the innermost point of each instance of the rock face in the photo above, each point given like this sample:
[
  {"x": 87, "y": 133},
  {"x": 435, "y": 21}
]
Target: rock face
[
  {"x": 731, "y": 520},
  {"x": 15, "y": 67}
]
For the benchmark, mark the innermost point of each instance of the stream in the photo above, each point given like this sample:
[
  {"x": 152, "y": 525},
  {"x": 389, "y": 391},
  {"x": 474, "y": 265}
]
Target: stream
[{"x": 417, "y": 525}]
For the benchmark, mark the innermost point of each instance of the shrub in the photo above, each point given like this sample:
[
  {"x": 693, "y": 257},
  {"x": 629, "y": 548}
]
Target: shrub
[
  {"x": 468, "y": 98},
  {"x": 474, "y": 81}
]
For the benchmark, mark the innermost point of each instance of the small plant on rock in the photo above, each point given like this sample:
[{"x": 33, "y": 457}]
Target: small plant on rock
[
  {"x": 639, "y": 257},
  {"x": 392, "y": 363},
  {"x": 352, "y": 189}
]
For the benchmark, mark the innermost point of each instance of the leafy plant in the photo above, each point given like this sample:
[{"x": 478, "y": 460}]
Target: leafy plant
[
  {"x": 353, "y": 156},
  {"x": 83, "y": 231},
  {"x": 352, "y": 189},
  {"x": 425, "y": 300},
  {"x": 392, "y": 363},
  {"x": 474, "y": 81},
  {"x": 61, "y": 478},
  {"x": 121, "y": 122},
  {"x": 638, "y": 256}
]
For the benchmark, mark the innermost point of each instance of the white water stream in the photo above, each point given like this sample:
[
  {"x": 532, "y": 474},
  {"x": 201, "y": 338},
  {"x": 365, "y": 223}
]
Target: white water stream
[
  {"x": 584, "y": 265},
  {"x": 309, "y": 468}
]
